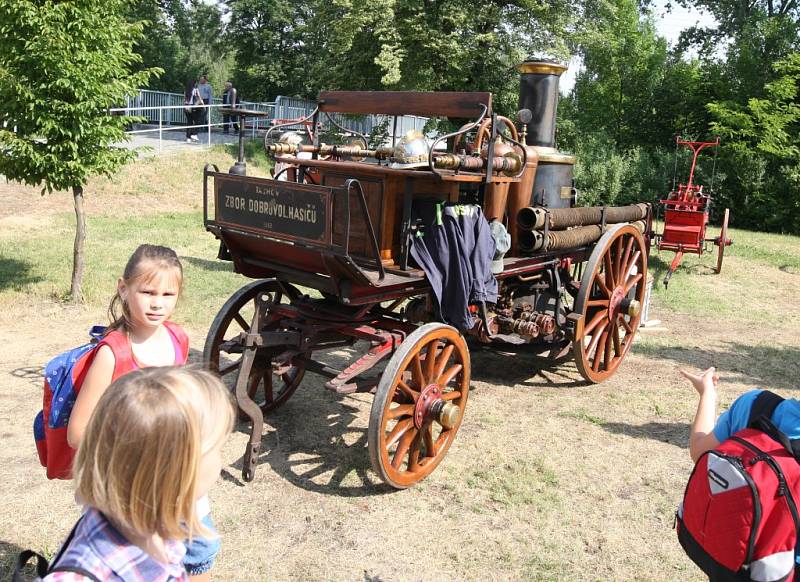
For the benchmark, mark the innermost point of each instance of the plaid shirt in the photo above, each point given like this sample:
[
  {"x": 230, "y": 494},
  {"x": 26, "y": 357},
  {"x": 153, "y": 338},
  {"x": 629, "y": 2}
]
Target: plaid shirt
[{"x": 100, "y": 549}]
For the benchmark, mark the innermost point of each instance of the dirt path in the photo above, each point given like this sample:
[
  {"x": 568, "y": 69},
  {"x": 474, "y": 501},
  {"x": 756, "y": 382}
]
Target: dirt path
[{"x": 548, "y": 478}]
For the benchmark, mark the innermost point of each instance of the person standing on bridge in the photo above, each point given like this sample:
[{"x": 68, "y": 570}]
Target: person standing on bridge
[
  {"x": 230, "y": 99},
  {"x": 191, "y": 99},
  {"x": 207, "y": 95}
]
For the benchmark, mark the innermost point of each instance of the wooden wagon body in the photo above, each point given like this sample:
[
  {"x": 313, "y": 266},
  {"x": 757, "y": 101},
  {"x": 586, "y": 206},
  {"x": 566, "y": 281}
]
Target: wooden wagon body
[{"x": 347, "y": 235}]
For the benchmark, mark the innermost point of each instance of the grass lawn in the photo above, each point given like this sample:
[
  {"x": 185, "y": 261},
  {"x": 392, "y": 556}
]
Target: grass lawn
[{"x": 548, "y": 479}]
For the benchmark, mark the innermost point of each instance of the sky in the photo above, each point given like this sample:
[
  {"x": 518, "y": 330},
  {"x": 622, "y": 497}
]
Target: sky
[{"x": 668, "y": 25}]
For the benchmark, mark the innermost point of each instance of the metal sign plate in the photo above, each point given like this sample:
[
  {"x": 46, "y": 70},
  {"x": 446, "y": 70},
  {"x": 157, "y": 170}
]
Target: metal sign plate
[{"x": 282, "y": 210}]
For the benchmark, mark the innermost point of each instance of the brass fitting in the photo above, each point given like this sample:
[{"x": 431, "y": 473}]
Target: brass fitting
[
  {"x": 449, "y": 415},
  {"x": 631, "y": 307}
]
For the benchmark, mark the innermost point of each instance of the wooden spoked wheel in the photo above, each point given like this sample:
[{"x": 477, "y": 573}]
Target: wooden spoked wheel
[
  {"x": 223, "y": 350},
  {"x": 610, "y": 299},
  {"x": 723, "y": 240},
  {"x": 419, "y": 405}
]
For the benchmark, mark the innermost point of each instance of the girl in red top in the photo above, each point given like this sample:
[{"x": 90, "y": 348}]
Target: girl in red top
[{"x": 141, "y": 336}]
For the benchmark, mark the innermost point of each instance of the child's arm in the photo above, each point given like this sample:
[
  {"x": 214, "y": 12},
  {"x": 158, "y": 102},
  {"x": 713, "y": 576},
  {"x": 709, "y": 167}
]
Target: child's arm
[
  {"x": 701, "y": 437},
  {"x": 98, "y": 377}
]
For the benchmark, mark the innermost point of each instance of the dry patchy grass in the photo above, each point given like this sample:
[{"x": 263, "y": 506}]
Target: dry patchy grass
[{"x": 549, "y": 479}]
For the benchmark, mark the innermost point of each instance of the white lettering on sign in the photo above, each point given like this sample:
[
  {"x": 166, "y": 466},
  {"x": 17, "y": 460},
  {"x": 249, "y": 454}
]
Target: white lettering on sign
[
  {"x": 275, "y": 209},
  {"x": 235, "y": 202}
]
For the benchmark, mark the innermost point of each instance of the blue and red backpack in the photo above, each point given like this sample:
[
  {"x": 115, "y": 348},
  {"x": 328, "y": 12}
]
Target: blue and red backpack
[
  {"x": 738, "y": 520},
  {"x": 63, "y": 377}
]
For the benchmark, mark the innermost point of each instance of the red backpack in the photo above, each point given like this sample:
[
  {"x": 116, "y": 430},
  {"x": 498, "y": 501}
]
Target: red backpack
[
  {"x": 63, "y": 378},
  {"x": 738, "y": 519}
]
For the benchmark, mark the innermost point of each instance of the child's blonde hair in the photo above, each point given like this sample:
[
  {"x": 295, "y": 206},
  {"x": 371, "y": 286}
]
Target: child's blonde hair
[
  {"x": 146, "y": 262},
  {"x": 138, "y": 461}
]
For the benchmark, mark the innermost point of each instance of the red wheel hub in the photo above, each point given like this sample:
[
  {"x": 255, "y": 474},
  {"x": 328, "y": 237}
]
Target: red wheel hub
[
  {"x": 429, "y": 395},
  {"x": 614, "y": 303}
]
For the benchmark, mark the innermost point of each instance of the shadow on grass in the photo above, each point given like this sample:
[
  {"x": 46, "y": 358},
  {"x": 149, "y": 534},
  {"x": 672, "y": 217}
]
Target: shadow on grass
[
  {"x": 16, "y": 274},
  {"x": 524, "y": 365},
  {"x": 673, "y": 433},
  {"x": 316, "y": 441},
  {"x": 771, "y": 367},
  {"x": 207, "y": 265},
  {"x": 658, "y": 265},
  {"x": 8, "y": 562}
]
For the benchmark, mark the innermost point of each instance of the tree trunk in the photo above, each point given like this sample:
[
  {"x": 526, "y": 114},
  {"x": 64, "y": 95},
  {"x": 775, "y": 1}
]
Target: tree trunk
[{"x": 77, "y": 254}]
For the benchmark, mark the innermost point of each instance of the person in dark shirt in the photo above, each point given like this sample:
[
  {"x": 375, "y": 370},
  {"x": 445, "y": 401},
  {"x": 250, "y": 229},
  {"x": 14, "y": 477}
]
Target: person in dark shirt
[{"x": 229, "y": 99}]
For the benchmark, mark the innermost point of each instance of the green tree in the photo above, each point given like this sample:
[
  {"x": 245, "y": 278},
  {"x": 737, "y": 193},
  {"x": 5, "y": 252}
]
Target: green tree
[
  {"x": 761, "y": 143},
  {"x": 63, "y": 64},
  {"x": 300, "y": 47},
  {"x": 184, "y": 38},
  {"x": 623, "y": 68}
]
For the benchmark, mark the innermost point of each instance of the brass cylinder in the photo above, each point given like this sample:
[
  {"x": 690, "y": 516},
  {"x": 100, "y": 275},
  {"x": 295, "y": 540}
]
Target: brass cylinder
[
  {"x": 519, "y": 195},
  {"x": 494, "y": 200}
]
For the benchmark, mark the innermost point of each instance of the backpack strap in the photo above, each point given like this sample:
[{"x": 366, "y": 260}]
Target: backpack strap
[
  {"x": 764, "y": 405},
  {"x": 22, "y": 560},
  {"x": 43, "y": 568},
  {"x": 119, "y": 344},
  {"x": 761, "y": 419}
]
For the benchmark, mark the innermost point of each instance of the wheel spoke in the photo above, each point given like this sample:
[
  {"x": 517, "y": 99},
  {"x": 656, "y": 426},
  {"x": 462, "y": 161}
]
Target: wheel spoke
[
  {"x": 430, "y": 361},
  {"x": 229, "y": 368},
  {"x": 268, "y": 385},
  {"x": 626, "y": 325},
  {"x": 430, "y": 446},
  {"x": 398, "y": 431},
  {"x": 595, "y": 339},
  {"x": 441, "y": 362},
  {"x": 241, "y": 321},
  {"x": 587, "y": 330},
  {"x": 451, "y": 373},
  {"x": 626, "y": 255},
  {"x": 405, "y": 389},
  {"x": 609, "y": 270},
  {"x": 618, "y": 277},
  {"x": 601, "y": 282},
  {"x": 416, "y": 371},
  {"x": 615, "y": 336},
  {"x": 633, "y": 260},
  {"x": 452, "y": 395},
  {"x": 402, "y": 410},
  {"x": 413, "y": 456},
  {"x": 607, "y": 352},
  {"x": 601, "y": 348},
  {"x": 597, "y": 303},
  {"x": 402, "y": 447},
  {"x": 633, "y": 280}
]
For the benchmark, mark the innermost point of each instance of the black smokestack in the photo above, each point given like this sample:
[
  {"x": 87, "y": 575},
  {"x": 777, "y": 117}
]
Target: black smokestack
[{"x": 538, "y": 91}]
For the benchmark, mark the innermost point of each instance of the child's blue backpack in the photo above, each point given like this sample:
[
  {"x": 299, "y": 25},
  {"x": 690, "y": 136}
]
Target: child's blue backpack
[{"x": 63, "y": 377}]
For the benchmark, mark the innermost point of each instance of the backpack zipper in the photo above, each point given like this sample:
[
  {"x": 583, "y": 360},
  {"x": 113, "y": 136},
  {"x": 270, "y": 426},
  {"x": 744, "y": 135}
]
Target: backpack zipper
[
  {"x": 783, "y": 488},
  {"x": 751, "y": 543}
]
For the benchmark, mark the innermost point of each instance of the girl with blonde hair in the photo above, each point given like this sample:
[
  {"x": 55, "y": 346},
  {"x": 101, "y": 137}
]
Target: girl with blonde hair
[
  {"x": 151, "y": 449},
  {"x": 141, "y": 335}
]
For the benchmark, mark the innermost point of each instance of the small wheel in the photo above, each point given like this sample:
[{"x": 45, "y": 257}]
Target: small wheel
[
  {"x": 223, "y": 352},
  {"x": 610, "y": 299},
  {"x": 419, "y": 405},
  {"x": 723, "y": 240}
]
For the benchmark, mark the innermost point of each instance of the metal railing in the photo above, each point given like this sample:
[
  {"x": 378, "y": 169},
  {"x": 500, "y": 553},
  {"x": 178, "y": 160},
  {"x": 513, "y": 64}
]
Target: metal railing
[{"x": 165, "y": 112}]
